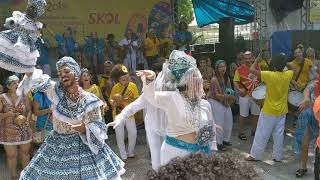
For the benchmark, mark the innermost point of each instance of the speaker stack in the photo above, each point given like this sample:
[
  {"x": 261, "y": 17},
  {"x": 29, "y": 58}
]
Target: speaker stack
[{"x": 225, "y": 49}]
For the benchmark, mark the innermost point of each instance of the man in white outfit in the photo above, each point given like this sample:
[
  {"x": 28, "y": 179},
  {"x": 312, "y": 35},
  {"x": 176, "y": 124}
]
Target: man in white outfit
[{"x": 155, "y": 122}]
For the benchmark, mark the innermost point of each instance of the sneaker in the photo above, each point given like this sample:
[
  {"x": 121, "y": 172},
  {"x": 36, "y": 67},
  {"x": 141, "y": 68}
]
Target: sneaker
[
  {"x": 227, "y": 143},
  {"x": 253, "y": 133},
  {"x": 221, "y": 147}
]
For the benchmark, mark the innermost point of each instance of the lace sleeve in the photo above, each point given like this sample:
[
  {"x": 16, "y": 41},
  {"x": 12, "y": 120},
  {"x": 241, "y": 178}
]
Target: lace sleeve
[
  {"x": 14, "y": 20},
  {"x": 38, "y": 82},
  {"x": 96, "y": 131}
]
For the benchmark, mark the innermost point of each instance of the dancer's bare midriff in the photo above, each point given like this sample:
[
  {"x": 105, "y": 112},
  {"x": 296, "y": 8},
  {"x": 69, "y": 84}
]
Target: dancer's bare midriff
[{"x": 189, "y": 138}]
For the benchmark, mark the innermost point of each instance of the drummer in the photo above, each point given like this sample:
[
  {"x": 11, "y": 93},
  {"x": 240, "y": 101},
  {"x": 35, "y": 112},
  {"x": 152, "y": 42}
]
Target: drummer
[
  {"x": 302, "y": 66},
  {"x": 310, "y": 52},
  {"x": 264, "y": 64},
  {"x": 245, "y": 82},
  {"x": 273, "y": 115}
]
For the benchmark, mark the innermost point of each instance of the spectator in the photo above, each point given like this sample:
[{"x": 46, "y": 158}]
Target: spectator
[
  {"x": 264, "y": 64},
  {"x": 14, "y": 126},
  {"x": 166, "y": 44},
  {"x": 41, "y": 108},
  {"x": 66, "y": 43},
  {"x": 207, "y": 72},
  {"x": 129, "y": 51},
  {"x": 112, "y": 49},
  {"x": 151, "y": 49},
  {"x": 43, "y": 48},
  {"x": 106, "y": 83},
  {"x": 234, "y": 66},
  {"x": 141, "y": 62},
  {"x": 312, "y": 56},
  {"x": 183, "y": 37},
  {"x": 94, "y": 50},
  {"x": 221, "y": 98},
  {"x": 87, "y": 85}
]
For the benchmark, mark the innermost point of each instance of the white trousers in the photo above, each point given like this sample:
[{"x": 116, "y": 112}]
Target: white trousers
[
  {"x": 169, "y": 152},
  {"x": 155, "y": 141},
  {"x": 223, "y": 118},
  {"x": 132, "y": 136},
  {"x": 267, "y": 125}
]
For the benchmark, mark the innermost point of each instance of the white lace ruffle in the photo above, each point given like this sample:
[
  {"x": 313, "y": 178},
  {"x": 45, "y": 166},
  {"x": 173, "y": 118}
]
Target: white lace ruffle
[
  {"x": 79, "y": 117},
  {"x": 19, "y": 51},
  {"x": 28, "y": 83},
  {"x": 15, "y": 68},
  {"x": 20, "y": 19},
  {"x": 100, "y": 135}
]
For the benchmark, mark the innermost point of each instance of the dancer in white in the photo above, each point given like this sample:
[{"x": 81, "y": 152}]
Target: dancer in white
[
  {"x": 190, "y": 126},
  {"x": 154, "y": 121}
]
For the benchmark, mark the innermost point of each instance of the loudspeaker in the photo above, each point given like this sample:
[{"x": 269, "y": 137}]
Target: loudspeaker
[
  {"x": 203, "y": 48},
  {"x": 226, "y": 38}
]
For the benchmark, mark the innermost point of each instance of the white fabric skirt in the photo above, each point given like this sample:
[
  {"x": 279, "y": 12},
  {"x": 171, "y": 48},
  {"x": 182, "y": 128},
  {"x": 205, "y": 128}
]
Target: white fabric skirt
[{"x": 169, "y": 152}]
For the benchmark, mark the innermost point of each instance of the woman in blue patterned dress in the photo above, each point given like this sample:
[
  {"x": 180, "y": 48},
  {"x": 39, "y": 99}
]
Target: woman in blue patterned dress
[
  {"x": 307, "y": 126},
  {"x": 18, "y": 51},
  {"x": 76, "y": 148}
]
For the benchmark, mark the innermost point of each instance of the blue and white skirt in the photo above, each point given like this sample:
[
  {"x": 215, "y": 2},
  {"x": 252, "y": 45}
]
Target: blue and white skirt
[{"x": 65, "y": 156}]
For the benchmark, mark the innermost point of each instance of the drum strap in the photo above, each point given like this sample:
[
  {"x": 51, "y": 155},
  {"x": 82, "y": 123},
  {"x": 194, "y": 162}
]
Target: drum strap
[
  {"x": 124, "y": 90},
  {"x": 267, "y": 63},
  {"x": 301, "y": 68}
]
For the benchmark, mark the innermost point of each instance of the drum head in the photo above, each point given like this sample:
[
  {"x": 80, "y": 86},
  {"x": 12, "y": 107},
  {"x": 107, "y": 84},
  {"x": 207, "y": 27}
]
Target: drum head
[
  {"x": 259, "y": 92},
  {"x": 295, "y": 98}
]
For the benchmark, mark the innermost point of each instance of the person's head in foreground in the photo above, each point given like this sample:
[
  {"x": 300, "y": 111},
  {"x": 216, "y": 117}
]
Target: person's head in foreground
[
  {"x": 279, "y": 62},
  {"x": 224, "y": 166}
]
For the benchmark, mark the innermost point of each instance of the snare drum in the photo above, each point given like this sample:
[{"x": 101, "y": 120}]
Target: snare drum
[
  {"x": 259, "y": 94},
  {"x": 295, "y": 98}
]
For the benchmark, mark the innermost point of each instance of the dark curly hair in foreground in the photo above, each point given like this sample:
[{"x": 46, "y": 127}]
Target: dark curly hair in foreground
[{"x": 226, "y": 166}]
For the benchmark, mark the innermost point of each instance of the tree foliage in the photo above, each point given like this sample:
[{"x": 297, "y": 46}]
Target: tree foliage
[{"x": 186, "y": 10}]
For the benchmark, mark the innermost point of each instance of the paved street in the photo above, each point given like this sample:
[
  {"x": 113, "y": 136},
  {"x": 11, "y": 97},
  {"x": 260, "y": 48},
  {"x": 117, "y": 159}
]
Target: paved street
[{"x": 138, "y": 168}]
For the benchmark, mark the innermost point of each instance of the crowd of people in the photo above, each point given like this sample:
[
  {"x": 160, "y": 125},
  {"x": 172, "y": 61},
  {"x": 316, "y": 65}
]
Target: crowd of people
[{"x": 58, "y": 127}]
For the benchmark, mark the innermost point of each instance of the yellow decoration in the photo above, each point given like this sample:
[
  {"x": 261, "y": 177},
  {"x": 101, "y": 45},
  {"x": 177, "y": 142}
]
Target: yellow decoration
[{"x": 124, "y": 69}]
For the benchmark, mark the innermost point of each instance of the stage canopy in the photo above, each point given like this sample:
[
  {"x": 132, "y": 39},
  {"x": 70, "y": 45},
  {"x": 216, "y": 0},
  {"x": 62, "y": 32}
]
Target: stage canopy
[{"x": 210, "y": 11}]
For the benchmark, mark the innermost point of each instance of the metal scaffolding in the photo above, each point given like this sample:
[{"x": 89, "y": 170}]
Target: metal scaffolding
[
  {"x": 305, "y": 23},
  {"x": 260, "y": 23},
  {"x": 175, "y": 12}
]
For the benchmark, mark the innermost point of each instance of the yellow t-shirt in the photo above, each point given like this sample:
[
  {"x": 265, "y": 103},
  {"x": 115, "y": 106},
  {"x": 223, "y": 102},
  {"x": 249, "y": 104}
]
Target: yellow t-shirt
[
  {"x": 167, "y": 46},
  {"x": 304, "y": 75},
  {"x": 94, "y": 89},
  {"x": 30, "y": 96},
  {"x": 277, "y": 83},
  {"x": 236, "y": 77},
  {"x": 151, "y": 47},
  {"x": 264, "y": 65},
  {"x": 103, "y": 84},
  {"x": 131, "y": 92}
]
